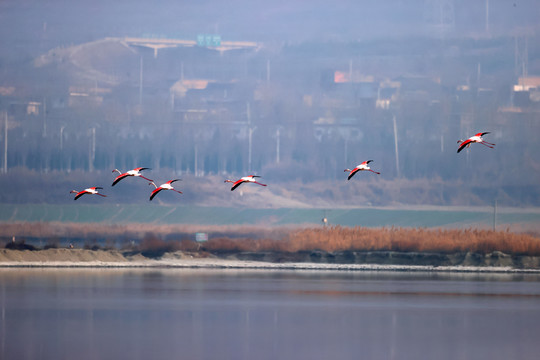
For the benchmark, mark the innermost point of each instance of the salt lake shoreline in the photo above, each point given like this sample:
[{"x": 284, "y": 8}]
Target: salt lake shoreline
[{"x": 79, "y": 258}]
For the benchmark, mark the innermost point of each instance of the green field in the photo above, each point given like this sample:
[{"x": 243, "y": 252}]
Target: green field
[{"x": 160, "y": 214}]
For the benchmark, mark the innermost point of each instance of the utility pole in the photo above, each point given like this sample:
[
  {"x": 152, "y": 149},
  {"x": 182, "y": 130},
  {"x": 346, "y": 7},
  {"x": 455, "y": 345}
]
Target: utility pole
[
  {"x": 525, "y": 61},
  {"x": 442, "y": 143},
  {"x": 44, "y": 117},
  {"x": 92, "y": 152},
  {"x": 93, "y": 144},
  {"x": 278, "y": 135},
  {"x": 196, "y": 156},
  {"x": 521, "y": 56},
  {"x": 140, "y": 80},
  {"x": 250, "y": 135},
  {"x": 5, "y": 140},
  {"x": 346, "y": 150},
  {"x": 495, "y": 215},
  {"x": 487, "y": 16},
  {"x": 62, "y": 147},
  {"x": 62, "y": 137},
  {"x": 396, "y": 146},
  {"x": 516, "y": 71},
  {"x": 250, "y": 142}
]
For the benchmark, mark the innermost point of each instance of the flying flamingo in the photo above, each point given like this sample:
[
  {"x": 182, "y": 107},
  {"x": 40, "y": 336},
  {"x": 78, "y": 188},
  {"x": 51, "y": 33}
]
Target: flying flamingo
[
  {"x": 166, "y": 186},
  {"x": 91, "y": 191},
  {"x": 245, "y": 179},
  {"x": 474, "y": 139},
  {"x": 134, "y": 172},
  {"x": 363, "y": 166}
]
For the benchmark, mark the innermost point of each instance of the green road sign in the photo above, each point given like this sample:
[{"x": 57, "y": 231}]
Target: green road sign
[{"x": 209, "y": 40}]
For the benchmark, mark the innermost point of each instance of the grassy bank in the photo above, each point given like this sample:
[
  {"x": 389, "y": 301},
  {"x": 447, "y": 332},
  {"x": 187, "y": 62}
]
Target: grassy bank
[
  {"x": 98, "y": 215},
  {"x": 165, "y": 238}
]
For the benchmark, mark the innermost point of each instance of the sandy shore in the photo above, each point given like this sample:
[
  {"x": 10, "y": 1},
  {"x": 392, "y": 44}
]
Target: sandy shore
[{"x": 79, "y": 258}]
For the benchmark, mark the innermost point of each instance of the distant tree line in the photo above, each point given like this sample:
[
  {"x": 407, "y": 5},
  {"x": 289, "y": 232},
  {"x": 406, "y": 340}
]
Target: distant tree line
[{"x": 278, "y": 111}]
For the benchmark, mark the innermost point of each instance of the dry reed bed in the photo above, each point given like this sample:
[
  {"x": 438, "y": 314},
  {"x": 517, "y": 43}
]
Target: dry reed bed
[
  {"x": 338, "y": 238},
  {"x": 292, "y": 239}
]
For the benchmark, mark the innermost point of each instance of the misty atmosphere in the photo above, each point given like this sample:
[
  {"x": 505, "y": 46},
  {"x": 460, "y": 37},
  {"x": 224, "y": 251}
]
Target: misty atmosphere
[{"x": 293, "y": 91}]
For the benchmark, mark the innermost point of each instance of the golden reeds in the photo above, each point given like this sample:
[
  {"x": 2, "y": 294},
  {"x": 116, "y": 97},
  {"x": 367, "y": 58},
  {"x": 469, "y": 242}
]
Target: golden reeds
[
  {"x": 288, "y": 239},
  {"x": 339, "y": 238}
]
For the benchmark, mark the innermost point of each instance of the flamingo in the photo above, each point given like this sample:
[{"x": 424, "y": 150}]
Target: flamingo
[
  {"x": 166, "y": 186},
  {"x": 91, "y": 191},
  {"x": 134, "y": 172},
  {"x": 474, "y": 139},
  {"x": 245, "y": 179},
  {"x": 363, "y": 166}
]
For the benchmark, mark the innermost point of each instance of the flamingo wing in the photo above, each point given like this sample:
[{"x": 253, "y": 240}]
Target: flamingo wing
[
  {"x": 171, "y": 181},
  {"x": 119, "y": 177},
  {"x": 366, "y": 162},
  {"x": 482, "y": 134},
  {"x": 141, "y": 168},
  {"x": 79, "y": 194},
  {"x": 463, "y": 145},
  {"x": 237, "y": 184},
  {"x": 155, "y": 192},
  {"x": 351, "y": 174}
]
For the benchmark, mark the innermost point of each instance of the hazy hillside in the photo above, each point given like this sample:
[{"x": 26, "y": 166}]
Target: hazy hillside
[{"x": 310, "y": 100}]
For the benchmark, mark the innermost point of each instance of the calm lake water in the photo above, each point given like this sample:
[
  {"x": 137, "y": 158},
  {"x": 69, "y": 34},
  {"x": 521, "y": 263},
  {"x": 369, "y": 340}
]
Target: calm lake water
[{"x": 243, "y": 314}]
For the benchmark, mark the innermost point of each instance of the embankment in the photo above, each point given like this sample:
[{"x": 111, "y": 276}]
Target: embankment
[{"x": 312, "y": 260}]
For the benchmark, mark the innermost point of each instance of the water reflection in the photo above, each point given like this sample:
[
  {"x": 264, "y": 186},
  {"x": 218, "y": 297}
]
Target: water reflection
[{"x": 239, "y": 314}]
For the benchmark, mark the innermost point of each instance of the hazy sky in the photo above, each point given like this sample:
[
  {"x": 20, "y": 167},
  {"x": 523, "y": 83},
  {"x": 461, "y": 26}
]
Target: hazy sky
[{"x": 64, "y": 22}]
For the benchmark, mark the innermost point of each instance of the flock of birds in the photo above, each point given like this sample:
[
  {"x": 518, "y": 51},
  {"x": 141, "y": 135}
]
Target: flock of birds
[
  {"x": 135, "y": 173},
  {"x": 478, "y": 138}
]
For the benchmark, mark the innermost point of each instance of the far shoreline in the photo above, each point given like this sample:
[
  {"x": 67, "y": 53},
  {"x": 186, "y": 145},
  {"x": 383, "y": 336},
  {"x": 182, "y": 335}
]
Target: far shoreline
[
  {"x": 234, "y": 265},
  {"x": 114, "y": 259}
]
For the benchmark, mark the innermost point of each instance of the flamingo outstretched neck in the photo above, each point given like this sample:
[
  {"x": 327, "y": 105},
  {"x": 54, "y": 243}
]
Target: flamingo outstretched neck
[
  {"x": 478, "y": 138},
  {"x": 91, "y": 191},
  {"x": 135, "y": 172},
  {"x": 165, "y": 186},
  {"x": 362, "y": 167},
  {"x": 245, "y": 179}
]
